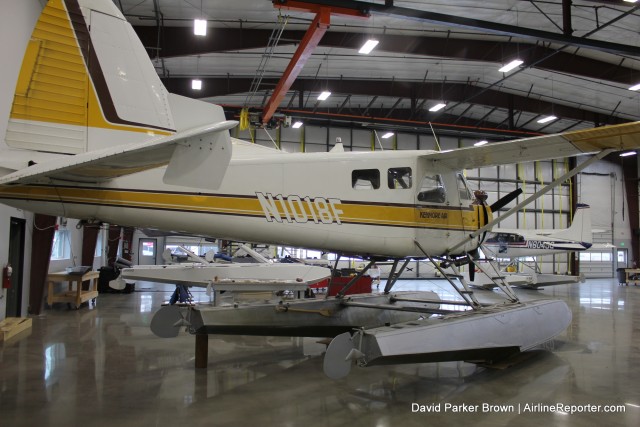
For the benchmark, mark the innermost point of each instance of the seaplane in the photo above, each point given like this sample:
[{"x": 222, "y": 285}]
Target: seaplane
[
  {"x": 93, "y": 134},
  {"x": 522, "y": 244}
]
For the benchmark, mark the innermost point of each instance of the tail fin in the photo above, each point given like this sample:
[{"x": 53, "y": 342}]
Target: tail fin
[
  {"x": 86, "y": 83},
  {"x": 580, "y": 229}
]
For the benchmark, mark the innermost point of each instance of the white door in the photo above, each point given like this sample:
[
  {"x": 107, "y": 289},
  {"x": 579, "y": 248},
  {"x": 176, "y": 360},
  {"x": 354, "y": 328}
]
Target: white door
[{"x": 147, "y": 249}]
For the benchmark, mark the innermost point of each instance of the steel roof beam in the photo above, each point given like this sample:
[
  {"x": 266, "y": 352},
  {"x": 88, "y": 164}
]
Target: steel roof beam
[
  {"x": 444, "y": 123},
  {"x": 173, "y": 44},
  {"x": 453, "y": 92},
  {"x": 480, "y": 25}
]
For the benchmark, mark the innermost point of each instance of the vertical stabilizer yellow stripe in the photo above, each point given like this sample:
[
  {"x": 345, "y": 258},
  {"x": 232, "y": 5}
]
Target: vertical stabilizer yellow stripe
[
  {"x": 56, "y": 98},
  {"x": 49, "y": 110},
  {"x": 52, "y": 65}
]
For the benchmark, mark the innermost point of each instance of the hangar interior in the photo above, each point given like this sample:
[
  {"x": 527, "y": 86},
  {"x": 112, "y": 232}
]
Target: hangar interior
[{"x": 580, "y": 65}]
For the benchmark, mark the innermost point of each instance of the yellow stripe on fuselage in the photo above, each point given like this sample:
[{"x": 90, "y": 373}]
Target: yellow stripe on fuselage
[{"x": 444, "y": 218}]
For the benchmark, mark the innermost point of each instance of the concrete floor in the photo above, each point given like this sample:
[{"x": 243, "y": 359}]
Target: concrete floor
[{"x": 101, "y": 366}]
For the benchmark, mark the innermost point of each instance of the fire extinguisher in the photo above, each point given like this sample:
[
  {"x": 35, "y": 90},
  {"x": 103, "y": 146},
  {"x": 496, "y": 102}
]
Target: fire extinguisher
[{"x": 6, "y": 276}]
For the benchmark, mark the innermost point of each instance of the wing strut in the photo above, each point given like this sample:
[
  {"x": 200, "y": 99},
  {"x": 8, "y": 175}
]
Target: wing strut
[
  {"x": 352, "y": 282},
  {"x": 499, "y": 282},
  {"x": 394, "y": 275},
  {"x": 466, "y": 292},
  {"x": 531, "y": 198}
]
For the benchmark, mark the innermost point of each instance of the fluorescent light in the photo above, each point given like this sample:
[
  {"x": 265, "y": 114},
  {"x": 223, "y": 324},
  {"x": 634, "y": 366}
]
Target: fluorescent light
[
  {"x": 635, "y": 87},
  {"x": 324, "y": 95},
  {"x": 200, "y": 27},
  {"x": 628, "y": 153},
  {"x": 511, "y": 65},
  {"x": 196, "y": 84},
  {"x": 437, "y": 107},
  {"x": 547, "y": 119},
  {"x": 479, "y": 143},
  {"x": 368, "y": 46},
  {"x": 387, "y": 135},
  {"x": 297, "y": 124},
  {"x": 630, "y": 1}
]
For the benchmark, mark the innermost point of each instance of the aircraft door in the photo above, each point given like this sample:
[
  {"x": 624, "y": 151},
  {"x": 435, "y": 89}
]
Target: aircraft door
[
  {"x": 432, "y": 213},
  {"x": 464, "y": 194}
]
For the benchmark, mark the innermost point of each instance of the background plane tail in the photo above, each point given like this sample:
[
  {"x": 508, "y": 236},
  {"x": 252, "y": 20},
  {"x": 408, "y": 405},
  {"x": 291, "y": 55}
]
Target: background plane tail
[{"x": 580, "y": 229}]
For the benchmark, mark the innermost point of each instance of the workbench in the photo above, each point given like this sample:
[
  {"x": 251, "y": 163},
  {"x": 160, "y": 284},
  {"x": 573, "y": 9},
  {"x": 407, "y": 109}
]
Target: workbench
[{"x": 71, "y": 296}]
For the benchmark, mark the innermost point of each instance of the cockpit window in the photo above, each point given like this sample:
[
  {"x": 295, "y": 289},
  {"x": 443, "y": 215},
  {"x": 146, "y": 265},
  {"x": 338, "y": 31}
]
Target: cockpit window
[
  {"x": 365, "y": 179},
  {"x": 432, "y": 190},
  {"x": 463, "y": 189},
  {"x": 399, "y": 178}
]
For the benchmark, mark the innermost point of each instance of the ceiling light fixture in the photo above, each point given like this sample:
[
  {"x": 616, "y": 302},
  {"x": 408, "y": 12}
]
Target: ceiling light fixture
[
  {"x": 324, "y": 95},
  {"x": 387, "y": 135},
  {"x": 547, "y": 119},
  {"x": 511, "y": 65},
  {"x": 437, "y": 107},
  {"x": 200, "y": 27},
  {"x": 368, "y": 46},
  {"x": 480, "y": 143},
  {"x": 635, "y": 87},
  {"x": 628, "y": 153},
  {"x": 196, "y": 84},
  {"x": 630, "y": 1},
  {"x": 297, "y": 124}
]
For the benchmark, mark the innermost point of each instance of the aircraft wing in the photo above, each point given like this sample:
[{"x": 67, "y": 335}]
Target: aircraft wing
[
  {"x": 205, "y": 149},
  {"x": 619, "y": 137}
]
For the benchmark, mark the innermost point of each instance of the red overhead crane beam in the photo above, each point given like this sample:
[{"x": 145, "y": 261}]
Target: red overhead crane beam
[
  {"x": 303, "y": 6},
  {"x": 307, "y": 45}
]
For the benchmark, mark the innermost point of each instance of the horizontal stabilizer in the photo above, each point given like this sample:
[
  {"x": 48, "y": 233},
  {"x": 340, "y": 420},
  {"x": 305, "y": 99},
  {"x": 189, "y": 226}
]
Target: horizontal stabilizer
[
  {"x": 200, "y": 161},
  {"x": 103, "y": 165}
]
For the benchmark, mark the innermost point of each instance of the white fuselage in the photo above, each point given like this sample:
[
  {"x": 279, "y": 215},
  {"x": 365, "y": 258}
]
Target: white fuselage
[
  {"x": 346, "y": 202},
  {"x": 517, "y": 246}
]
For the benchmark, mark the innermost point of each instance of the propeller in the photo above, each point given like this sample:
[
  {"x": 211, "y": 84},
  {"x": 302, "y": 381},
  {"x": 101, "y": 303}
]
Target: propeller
[
  {"x": 497, "y": 205},
  {"x": 481, "y": 199},
  {"x": 504, "y": 201},
  {"x": 472, "y": 267}
]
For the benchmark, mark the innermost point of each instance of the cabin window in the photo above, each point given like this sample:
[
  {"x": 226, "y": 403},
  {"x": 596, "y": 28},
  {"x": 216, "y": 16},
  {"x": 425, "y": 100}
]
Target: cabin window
[
  {"x": 399, "y": 178},
  {"x": 506, "y": 238},
  {"x": 365, "y": 179},
  {"x": 463, "y": 189},
  {"x": 432, "y": 190}
]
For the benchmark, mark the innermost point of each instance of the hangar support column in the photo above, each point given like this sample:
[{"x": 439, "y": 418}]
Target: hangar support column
[
  {"x": 630, "y": 180},
  {"x": 44, "y": 227}
]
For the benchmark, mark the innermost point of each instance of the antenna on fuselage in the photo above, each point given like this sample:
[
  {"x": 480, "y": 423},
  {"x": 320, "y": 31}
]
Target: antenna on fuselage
[{"x": 435, "y": 137}]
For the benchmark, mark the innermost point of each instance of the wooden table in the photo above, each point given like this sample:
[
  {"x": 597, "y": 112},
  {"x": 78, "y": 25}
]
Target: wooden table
[{"x": 71, "y": 296}]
